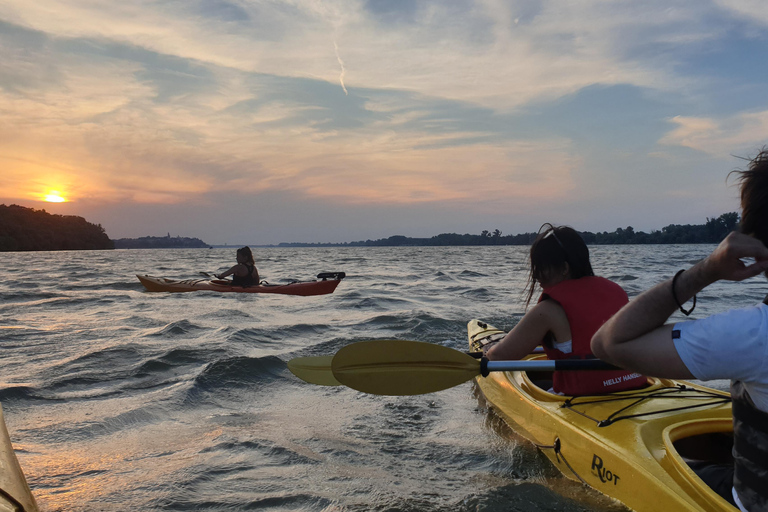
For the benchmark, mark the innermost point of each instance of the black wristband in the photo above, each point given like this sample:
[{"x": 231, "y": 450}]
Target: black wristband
[{"x": 674, "y": 296}]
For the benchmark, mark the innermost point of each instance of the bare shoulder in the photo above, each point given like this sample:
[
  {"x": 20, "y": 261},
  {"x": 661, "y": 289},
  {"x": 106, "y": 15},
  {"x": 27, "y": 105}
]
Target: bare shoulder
[{"x": 551, "y": 310}]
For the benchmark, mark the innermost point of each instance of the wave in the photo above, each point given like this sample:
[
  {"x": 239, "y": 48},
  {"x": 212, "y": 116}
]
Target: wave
[
  {"x": 171, "y": 360},
  {"x": 239, "y": 372},
  {"x": 240, "y": 495},
  {"x": 122, "y": 370},
  {"x": 87, "y": 430},
  {"x": 105, "y": 285},
  {"x": 472, "y": 273},
  {"x": 276, "y": 454},
  {"x": 28, "y": 298},
  {"x": 481, "y": 294},
  {"x": 175, "y": 329},
  {"x": 378, "y": 303},
  {"x": 412, "y": 324},
  {"x": 20, "y": 393}
]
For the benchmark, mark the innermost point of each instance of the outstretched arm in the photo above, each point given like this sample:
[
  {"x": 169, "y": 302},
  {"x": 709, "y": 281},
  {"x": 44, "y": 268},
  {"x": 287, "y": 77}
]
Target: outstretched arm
[
  {"x": 546, "y": 316},
  {"x": 636, "y": 337},
  {"x": 228, "y": 272}
]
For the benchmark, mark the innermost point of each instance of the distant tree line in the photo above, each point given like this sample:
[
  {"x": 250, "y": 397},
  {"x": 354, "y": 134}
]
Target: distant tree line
[
  {"x": 160, "y": 242},
  {"x": 27, "y": 229},
  {"x": 712, "y": 232}
]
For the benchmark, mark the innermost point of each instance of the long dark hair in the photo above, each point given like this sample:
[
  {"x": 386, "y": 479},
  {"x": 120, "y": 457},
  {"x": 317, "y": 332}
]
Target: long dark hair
[
  {"x": 553, "y": 248},
  {"x": 246, "y": 251}
]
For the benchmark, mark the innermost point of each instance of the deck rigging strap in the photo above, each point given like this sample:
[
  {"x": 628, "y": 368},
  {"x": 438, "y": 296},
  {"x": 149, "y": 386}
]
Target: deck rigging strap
[
  {"x": 557, "y": 447},
  {"x": 667, "y": 392}
]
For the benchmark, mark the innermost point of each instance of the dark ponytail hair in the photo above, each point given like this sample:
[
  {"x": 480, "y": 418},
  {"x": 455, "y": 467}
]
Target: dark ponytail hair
[
  {"x": 246, "y": 251},
  {"x": 553, "y": 248}
]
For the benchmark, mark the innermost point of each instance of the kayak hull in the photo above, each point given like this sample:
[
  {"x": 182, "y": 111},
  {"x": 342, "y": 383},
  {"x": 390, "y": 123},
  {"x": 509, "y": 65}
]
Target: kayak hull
[
  {"x": 636, "y": 460},
  {"x": 303, "y": 288},
  {"x": 14, "y": 491}
]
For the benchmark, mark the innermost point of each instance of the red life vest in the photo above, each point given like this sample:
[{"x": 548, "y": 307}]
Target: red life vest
[{"x": 588, "y": 303}]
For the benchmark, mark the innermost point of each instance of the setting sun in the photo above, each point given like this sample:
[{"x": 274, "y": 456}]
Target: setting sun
[{"x": 54, "y": 197}]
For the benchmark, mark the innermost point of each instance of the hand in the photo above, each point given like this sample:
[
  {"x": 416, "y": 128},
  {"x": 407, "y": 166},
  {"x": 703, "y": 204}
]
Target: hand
[
  {"x": 488, "y": 346},
  {"x": 725, "y": 262}
]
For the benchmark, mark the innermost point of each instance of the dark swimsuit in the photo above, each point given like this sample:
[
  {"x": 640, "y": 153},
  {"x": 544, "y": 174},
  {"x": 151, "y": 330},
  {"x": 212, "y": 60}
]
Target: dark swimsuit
[{"x": 247, "y": 280}]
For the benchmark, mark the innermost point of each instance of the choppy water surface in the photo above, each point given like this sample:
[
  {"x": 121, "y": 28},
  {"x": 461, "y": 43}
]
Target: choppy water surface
[{"x": 118, "y": 399}]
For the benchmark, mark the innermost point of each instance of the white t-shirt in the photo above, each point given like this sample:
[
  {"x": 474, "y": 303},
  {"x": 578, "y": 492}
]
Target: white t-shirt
[{"x": 731, "y": 345}]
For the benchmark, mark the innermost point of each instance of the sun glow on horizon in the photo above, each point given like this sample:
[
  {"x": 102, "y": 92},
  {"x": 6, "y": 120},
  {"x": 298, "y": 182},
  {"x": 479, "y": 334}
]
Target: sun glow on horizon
[{"x": 54, "y": 196}]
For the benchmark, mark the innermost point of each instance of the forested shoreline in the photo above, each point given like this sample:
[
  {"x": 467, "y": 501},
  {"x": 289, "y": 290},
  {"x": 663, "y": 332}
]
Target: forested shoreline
[
  {"x": 711, "y": 232},
  {"x": 27, "y": 229}
]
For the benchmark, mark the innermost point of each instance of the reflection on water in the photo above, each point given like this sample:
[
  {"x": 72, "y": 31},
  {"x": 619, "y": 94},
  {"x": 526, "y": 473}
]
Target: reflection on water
[{"x": 119, "y": 399}]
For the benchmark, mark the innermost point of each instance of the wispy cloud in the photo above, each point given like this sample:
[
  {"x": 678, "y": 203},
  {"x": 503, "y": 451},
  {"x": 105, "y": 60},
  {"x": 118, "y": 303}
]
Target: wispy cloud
[
  {"x": 434, "y": 103},
  {"x": 466, "y": 50},
  {"x": 740, "y": 133},
  {"x": 341, "y": 63}
]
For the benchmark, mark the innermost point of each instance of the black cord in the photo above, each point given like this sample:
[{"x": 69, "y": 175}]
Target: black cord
[{"x": 677, "y": 301}]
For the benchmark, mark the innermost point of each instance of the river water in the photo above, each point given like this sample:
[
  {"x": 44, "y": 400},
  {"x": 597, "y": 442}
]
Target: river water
[{"x": 118, "y": 399}]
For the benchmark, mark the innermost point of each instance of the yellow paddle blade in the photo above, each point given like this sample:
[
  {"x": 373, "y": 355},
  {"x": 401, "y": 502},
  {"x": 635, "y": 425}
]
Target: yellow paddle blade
[
  {"x": 400, "y": 367},
  {"x": 315, "y": 370}
]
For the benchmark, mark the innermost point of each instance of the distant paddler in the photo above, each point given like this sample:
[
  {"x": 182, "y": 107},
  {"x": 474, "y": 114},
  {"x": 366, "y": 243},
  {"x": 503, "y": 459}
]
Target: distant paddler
[{"x": 245, "y": 272}]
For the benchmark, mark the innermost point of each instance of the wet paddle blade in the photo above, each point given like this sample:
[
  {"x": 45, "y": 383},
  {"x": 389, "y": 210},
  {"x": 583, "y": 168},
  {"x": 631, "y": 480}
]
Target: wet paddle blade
[
  {"x": 400, "y": 367},
  {"x": 315, "y": 370}
]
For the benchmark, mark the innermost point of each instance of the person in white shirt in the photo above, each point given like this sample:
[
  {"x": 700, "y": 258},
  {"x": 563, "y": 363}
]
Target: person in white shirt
[{"x": 732, "y": 345}]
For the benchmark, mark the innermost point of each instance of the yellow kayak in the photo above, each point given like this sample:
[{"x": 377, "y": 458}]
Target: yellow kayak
[
  {"x": 633, "y": 446},
  {"x": 15, "y": 495}
]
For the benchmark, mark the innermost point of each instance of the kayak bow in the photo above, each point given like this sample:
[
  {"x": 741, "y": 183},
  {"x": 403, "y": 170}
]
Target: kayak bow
[
  {"x": 14, "y": 491},
  {"x": 633, "y": 446}
]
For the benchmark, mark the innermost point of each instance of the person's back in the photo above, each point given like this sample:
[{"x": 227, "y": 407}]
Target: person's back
[
  {"x": 244, "y": 273},
  {"x": 587, "y": 302},
  {"x": 250, "y": 278},
  {"x": 559, "y": 321},
  {"x": 731, "y": 345}
]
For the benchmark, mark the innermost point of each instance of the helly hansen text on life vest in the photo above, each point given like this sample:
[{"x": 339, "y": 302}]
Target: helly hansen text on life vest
[{"x": 617, "y": 380}]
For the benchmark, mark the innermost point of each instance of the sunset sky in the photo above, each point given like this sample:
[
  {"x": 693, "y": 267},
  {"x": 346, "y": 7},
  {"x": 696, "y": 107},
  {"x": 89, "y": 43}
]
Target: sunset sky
[{"x": 261, "y": 122}]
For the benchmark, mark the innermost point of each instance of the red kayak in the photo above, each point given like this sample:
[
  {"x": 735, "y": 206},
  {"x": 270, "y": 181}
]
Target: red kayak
[{"x": 326, "y": 283}]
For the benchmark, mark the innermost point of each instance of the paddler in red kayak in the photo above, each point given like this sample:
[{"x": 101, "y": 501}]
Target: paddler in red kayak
[
  {"x": 245, "y": 272},
  {"x": 731, "y": 345},
  {"x": 573, "y": 304}
]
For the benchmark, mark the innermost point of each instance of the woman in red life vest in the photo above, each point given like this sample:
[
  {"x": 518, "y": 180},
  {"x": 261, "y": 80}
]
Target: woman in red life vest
[{"x": 574, "y": 303}]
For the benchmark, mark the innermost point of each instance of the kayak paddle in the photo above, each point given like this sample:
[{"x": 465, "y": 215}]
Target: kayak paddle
[
  {"x": 401, "y": 367},
  {"x": 315, "y": 370}
]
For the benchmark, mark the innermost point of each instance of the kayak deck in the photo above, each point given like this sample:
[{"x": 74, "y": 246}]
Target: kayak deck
[
  {"x": 322, "y": 286},
  {"x": 14, "y": 491},
  {"x": 627, "y": 445}
]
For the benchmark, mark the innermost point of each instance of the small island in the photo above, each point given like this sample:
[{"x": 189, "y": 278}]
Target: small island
[
  {"x": 160, "y": 242},
  {"x": 27, "y": 229}
]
